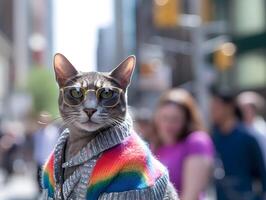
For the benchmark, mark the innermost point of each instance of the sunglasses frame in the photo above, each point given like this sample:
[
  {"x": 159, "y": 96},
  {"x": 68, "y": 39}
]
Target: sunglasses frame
[{"x": 86, "y": 91}]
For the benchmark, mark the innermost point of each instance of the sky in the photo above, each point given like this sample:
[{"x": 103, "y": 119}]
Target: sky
[{"x": 75, "y": 29}]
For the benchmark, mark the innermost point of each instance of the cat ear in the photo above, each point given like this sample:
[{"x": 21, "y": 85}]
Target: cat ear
[
  {"x": 123, "y": 72},
  {"x": 64, "y": 70}
]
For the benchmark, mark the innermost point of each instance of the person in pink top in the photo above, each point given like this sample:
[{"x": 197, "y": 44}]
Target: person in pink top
[{"x": 182, "y": 144}]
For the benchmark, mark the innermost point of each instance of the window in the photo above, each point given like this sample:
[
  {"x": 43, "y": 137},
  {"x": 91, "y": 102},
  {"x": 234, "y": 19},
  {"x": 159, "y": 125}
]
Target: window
[{"x": 251, "y": 69}]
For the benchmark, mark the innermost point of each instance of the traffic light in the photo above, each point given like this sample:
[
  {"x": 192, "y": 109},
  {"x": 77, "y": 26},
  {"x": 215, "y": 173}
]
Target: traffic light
[
  {"x": 224, "y": 56},
  {"x": 166, "y": 13},
  {"x": 206, "y": 11}
]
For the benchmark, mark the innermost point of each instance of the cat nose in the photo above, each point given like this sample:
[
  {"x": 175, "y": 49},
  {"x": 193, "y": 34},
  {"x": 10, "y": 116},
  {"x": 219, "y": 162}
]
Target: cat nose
[{"x": 90, "y": 111}]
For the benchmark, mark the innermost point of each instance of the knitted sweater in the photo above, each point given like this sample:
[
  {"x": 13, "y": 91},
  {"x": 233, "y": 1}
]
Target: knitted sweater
[{"x": 124, "y": 170}]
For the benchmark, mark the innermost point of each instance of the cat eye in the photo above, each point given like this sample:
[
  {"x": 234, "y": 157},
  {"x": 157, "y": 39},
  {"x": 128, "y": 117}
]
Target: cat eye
[
  {"x": 73, "y": 96},
  {"x": 107, "y": 96},
  {"x": 76, "y": 93},
  {"x": 106, "y": 93}
]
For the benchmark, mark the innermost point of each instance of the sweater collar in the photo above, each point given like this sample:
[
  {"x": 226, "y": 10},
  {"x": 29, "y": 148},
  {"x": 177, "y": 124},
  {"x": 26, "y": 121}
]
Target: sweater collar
[{"x": 103, "y": 141}]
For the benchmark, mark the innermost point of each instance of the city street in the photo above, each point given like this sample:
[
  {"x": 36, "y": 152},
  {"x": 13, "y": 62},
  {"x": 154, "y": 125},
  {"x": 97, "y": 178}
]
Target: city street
[{"x": 188, "y": 77}]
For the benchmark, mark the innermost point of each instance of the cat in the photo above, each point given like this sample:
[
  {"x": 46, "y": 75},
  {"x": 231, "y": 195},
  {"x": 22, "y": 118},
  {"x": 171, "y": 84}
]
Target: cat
[{"x": 99, "y": 156}]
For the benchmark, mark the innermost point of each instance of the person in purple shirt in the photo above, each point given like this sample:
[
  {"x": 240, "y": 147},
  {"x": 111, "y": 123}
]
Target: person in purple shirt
[{"x": 182, "y": 144}]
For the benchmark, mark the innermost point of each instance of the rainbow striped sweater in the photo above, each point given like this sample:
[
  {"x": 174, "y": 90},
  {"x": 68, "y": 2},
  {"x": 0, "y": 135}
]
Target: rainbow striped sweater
[{"x": 127, "y": 168}]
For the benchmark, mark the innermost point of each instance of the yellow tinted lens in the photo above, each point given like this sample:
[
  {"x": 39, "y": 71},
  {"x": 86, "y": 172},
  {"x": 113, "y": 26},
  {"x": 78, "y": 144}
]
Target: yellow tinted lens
[
  {"x": 108, "y": 97},
  {"x": 73, "y": 95}
]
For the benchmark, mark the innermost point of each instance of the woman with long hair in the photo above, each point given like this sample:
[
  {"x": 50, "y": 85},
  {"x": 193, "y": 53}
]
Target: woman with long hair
[{"x": 182, "y": 144}]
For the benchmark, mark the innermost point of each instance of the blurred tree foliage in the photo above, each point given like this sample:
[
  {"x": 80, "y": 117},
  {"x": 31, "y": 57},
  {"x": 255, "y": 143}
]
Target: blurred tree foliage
[{"x": 42, "y": 86}]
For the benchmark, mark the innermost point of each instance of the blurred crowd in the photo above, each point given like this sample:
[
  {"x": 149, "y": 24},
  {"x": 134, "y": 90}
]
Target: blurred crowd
[{"x": 227, "y": 156}]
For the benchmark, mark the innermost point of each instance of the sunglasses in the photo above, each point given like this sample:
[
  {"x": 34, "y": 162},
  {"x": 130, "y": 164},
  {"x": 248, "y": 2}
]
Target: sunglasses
[{"x": 107, "y": 96}]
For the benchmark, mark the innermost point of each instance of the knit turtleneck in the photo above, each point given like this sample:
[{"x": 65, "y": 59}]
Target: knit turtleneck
[{"x": 115, "y": 164}]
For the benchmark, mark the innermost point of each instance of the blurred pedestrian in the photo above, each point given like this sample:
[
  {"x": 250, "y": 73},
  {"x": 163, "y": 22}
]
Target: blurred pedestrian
[
  {"x": 251, "y": 105},
  {"x": 44, "y": 141},
  {"x": 238, "y": 151},
  {"x": 183, "y": 145},
  {"x": 8, "y": 151}
]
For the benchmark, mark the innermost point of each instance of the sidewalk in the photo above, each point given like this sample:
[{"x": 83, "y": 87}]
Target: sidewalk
[{"x": 18, "y": 187}]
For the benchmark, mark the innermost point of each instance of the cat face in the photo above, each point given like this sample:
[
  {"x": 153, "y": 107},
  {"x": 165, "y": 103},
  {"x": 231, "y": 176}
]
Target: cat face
[{"x": 90, "y": 101}]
